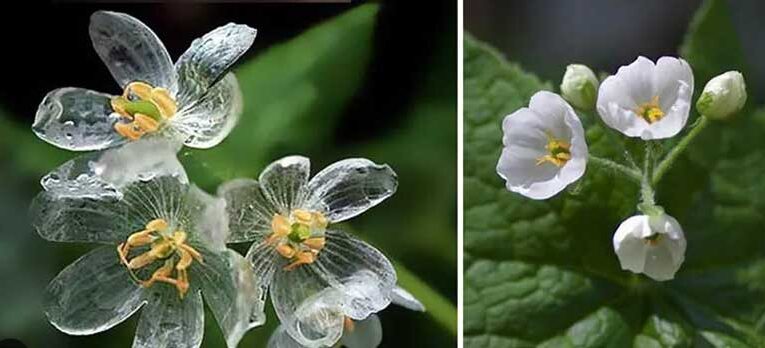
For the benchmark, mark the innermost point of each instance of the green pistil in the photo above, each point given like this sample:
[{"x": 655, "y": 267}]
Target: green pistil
[
  {"x": 299, "y": 233},
  {"x": 143, "y": 107}
]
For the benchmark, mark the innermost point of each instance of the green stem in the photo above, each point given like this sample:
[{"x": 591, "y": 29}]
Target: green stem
[
  {"x": 609, "y": 164},
  {"x": 437, "y": 306},
  {"x": 673, "y": 155}
]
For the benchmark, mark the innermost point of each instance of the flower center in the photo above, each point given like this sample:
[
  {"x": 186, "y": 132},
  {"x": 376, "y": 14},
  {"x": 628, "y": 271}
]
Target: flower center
[
  {"x": 650, "y": 111},
  {"x": 166, "y": 247},
  {"x": 559, "y": 152},
  {"x": 143, "y": 109},
  {"x": 298, "y": 237},
  {"x": 653, "y": 239}
]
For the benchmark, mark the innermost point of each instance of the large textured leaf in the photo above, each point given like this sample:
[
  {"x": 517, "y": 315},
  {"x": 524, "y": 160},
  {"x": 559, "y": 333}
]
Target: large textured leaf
[{"x": 544, "y": 272}]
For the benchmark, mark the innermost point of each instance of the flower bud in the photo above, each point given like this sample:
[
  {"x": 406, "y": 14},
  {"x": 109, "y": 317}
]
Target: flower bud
[
  {"x": 723, "y": 96},
  {"x": 580, "y": 86}
]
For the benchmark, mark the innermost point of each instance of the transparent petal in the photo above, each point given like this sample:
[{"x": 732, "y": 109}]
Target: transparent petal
[
  {"x": 205, "y": 122},
  {"x": 110, "y": 219},
  {"x": 249, "y": 211},
  {"x": 349, "y": 279},
  {"x": 264, "y": 261},
  {"x": 366, "y": 333},
  {"x": 167, "y": 321},
  {"x": 283, "y": 182},
  {"x": 349, "y": 187},
  {"x": 209, "y": 58},
  {"x": 228, "y": 287},
  {"x": 281, "y": 339},
  {"x": 403, "y": 298},
  {"x": 92, "y": 294},
  {"x": 207, "y": 216},
  {"x": 131, "y": 51},
  {"x": 77, "y": 119}
]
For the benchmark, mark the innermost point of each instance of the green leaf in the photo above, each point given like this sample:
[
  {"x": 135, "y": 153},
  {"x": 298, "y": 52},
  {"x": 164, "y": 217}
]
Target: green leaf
[
  {"x": 544, "y": 272},
  {"x": 294, "y": 94}
]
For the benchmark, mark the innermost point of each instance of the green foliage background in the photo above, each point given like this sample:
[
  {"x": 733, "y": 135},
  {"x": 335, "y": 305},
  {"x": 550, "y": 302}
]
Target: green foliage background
[
  {"x": 543, "y": 273},
  {"x": 295, "y": 94}
]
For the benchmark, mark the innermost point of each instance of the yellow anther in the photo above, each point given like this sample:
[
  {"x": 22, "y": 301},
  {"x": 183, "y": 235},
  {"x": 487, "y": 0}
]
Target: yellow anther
[
  {"x": 142, "y": 90},
  {"x": 316, "y": 243},
  {"x": 164, "y": 102},
  {"x": 143, "y": 108},
  {"x": 280, "y": 225},
  {"x": 286, "y": 251},
  {"x": 302, "y": 258},
  {"x": 299, "y": 237},
  {"x": 651, "y": 111},
  {"x": 302, "y": 216},
  {"x": 559, "y": 152},
  {"x": 169, "y": 247},
  {"x": 653, "y": 239}
]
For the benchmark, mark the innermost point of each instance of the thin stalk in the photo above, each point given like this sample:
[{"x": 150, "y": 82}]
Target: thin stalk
[
  {"x": 609, "y": 164},
  {"x": 673, "y": 155}
]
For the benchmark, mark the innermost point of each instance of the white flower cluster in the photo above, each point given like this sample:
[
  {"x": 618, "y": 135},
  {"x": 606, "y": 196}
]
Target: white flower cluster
[
  {"x": 545, "y": 147},
  {"x": 164, "y": 240}
]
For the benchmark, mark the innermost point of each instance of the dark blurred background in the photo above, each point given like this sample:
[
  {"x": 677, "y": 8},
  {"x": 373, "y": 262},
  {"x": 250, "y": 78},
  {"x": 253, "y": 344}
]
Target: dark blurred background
[
  {"x": 546, "y": 35},
  {"x": 401, "y": 111}
]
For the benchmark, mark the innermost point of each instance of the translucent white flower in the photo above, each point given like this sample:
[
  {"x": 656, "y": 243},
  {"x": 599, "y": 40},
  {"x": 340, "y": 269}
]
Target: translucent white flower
[
  {"x": 653, "y": 245},
  {"x": 316, "y": 275},
  {"x": 365, "y": 333},
  {"x": 647, "y": 100},
  {"x": 723, "y": 96},
  {"x": 544, "y": 147},
  {"x": 194, "y": 101},
  {"x": 163, "y": 250}
]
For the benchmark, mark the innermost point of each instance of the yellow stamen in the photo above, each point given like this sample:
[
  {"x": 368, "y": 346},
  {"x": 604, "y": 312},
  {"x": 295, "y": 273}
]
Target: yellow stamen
[
  {"x": 653, "y": 239},
  {"x": 158, "y": 106},
  {"x": 169, "y": 247},
  {"x": 559, "y": 152},
  {"x": 299, "y": 237},
  {"x": 651, "y": 111}
]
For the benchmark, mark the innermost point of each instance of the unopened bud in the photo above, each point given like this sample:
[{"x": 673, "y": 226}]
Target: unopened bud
[
  {"x": 580, "y": 86},
  {"x": 723, "y": 96}
]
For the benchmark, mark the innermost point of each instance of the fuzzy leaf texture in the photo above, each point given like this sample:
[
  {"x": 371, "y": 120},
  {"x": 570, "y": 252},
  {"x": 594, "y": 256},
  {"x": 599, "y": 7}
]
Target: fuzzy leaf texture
[{"x": 543, "y": 273}]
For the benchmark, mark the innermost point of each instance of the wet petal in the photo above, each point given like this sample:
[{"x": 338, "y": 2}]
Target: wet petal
[
  {"x": 366, "y": 333},
  {"x": 228, "y": 287},
  {"x": 283, "y": 182},
  {"x": 349, "y": 187},
  {"x": 281, "y": 339},
  {"x": 209, "y": 57},
  {"x": 77, "y": 119},
  {"x": 92, "y": 294},
  {"x": 249, "y": 211},
  {"x": 265, "y": 261},
  {"x": 205, "y": 122},
  {"x": 349, "y": 279},
  {"x": 167, "y": 321},
  {"x": 207, "y": 218},
  {"x": 404, "y": 299},
  {"x": 131, "y": 51}
]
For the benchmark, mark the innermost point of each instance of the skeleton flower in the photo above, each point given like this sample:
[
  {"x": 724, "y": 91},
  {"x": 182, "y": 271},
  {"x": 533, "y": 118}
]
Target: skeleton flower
[
  {"x": 647, "y": 100},
  {"x": 194, "y": 100},
  {"x": 545, "y": 149},
  {"x": 164, "y": 247},
  {"x": 653, "y": 245},
  {"x": 365, "y": 333},
  {"x": 298, "y": 257}
]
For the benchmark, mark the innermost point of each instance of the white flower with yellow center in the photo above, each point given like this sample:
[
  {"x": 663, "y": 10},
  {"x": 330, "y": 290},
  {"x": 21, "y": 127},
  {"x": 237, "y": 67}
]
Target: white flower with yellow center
[
  {"x": 544, "y": 147},
  {"x": 652, "y": 245},
  {"x": 296, "y": 253},
  {"x": 164, "y": 249},
  {"x": 364, "y": 333},
  {"x": 647, "y": 100},
  {"x": 194, "y": 100}
]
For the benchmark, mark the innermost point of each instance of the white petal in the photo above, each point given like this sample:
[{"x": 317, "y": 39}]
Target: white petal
[
  {"x": 209, "y": 58},
  {"x": 206, "y": 121},
  {"x": 228, "y": 287},
  {"x": 348, "y": 279},
  {"x": 92, "y": 294},
  {"x": 283, "y": 182},
  {"x": 77, "y": 119},
  {"x": 131, "y": 51},
  {"x": 249, "y": 211},
  {"x": 167, "y": 321},
  {"x": 349, "y": 187},
  {"x": 404, "y": 299},
  {"x": 659, "y": 260},
  {"x": 366, "y": 333},
  {"x": 525, "y": 137},
  {"x": 629, "y": 244},
  {"x": 207, "y": 215}
]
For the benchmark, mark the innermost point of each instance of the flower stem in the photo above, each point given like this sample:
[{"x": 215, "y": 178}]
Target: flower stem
[
  {"x": 609, "y": 164},
  {"x": 673, "y": 155},
  {"x": 438, "y": 307}
]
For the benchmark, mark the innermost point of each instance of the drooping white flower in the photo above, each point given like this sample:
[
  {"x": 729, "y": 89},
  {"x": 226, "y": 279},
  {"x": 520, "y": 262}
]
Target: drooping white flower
[
  {"x": 365, "y": 333},
  {"x": 647, "y": 100},
  {"x": 580, "y": 86},
  {"x": 544, "y": 147},
  {"x": 723, "y": 96},
  {"x": 652, "y": 245},
  {"x": 316, "y": 275},
  {"x": 193, "y": 101},
  {"x": 163, "y": 249}
]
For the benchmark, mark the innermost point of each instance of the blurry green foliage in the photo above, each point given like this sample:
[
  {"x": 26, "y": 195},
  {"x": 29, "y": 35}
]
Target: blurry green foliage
[
  {"x": 295, "y": 94},
  {"x": 543, "y": 273}
]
